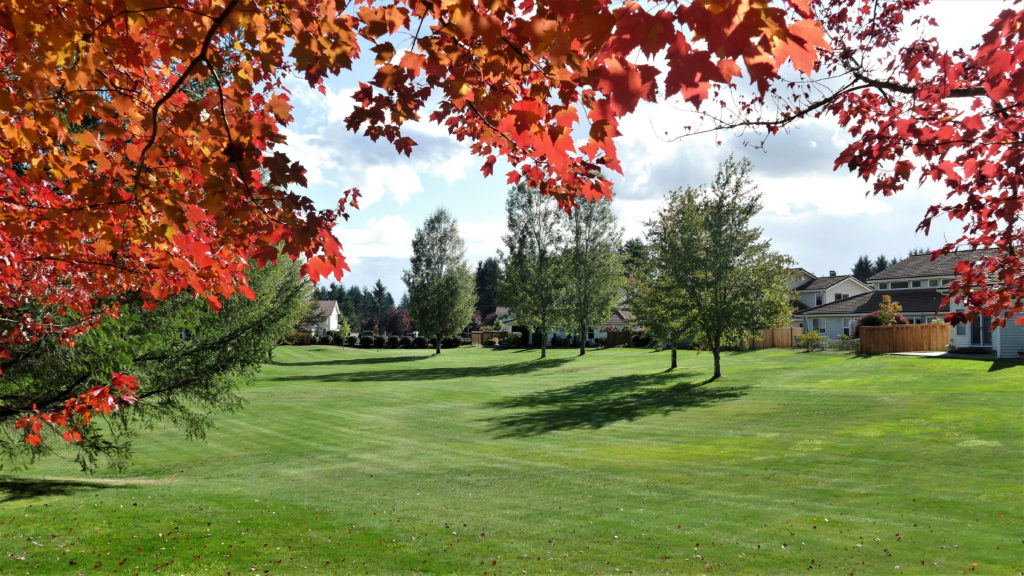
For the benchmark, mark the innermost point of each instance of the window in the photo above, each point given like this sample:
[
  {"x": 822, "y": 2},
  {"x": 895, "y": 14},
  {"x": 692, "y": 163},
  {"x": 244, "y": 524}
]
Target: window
[
  {"x": 818, "y": 325},
  {"x": 847, "y": 327},
  {"x": 933, "y": 283},
  {"x": 839, "y": 296},
  {"x": 590, "y": 334},
  {"x": 961, "y": 329},
  {"x": 915, "y": 284},
  {"x": 896, "y": 285},
  {"x": 819, "y": 299},
  {"x": 981, "y": 331},
  {"x": 883, "y": 286}
]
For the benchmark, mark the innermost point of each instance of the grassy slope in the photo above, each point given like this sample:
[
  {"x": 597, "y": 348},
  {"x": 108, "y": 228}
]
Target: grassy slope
[{"x": 480, "y": 461}]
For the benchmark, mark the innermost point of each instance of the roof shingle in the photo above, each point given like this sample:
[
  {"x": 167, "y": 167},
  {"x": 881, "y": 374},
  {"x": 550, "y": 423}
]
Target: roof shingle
[
  {"x": 922, "y": 265},
  {"x": 913, "y": 302}
]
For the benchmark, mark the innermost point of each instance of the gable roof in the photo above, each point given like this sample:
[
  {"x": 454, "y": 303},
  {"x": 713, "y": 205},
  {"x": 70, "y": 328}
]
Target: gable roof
[
  {"x": 823, "y": 283},
  {"x": 326, "y": 307},
  {"x": 914, "y": 302},
  {"x": 922, "y": 265}
]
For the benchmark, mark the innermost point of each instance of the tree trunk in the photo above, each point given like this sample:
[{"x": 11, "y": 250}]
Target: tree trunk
[
  {"x": 544, "y": 344},
  {"x": 437, "y": 344},
  {"x": 716, "y": 351},
  {"x": 583, "y": 339},
  {"x": 674, "y": 364}
]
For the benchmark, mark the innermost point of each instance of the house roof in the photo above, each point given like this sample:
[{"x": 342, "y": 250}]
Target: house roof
[
  {"x": 621, "y": 316},
  {"x": 922, "y": 265},
  {"x": 822, "y": 283},
  {"x": 326, "y": 307},
  {"x": 913, "y": 302},
  {"x": 802, "y": 271}
]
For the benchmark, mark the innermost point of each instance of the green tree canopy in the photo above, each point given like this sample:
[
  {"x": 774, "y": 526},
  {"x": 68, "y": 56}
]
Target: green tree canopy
[
  {"x": 439, "y": 280},
  {"x": 726, "y": 278},
  {"x": 532, "y": 284},
  {"x": 592, "y": 266}
]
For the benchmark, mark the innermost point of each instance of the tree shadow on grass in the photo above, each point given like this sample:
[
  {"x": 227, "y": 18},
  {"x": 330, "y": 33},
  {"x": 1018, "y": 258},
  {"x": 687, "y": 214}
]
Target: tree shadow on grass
[
  {"x": 12, "y": 489},
  {"x": 602, "y": 402},
  {"x": 357, "y": 361},
  {"x": 446, "y": 373}
]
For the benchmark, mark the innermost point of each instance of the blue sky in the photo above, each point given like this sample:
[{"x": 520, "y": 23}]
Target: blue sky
[{"x": 821, "y": 218}]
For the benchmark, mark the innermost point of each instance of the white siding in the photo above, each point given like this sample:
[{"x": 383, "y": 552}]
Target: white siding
[{"x": 1010, "y": 340}]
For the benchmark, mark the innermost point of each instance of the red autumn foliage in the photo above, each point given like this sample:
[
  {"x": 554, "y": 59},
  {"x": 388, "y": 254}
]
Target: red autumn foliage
[{"x": 141, "y": 142}]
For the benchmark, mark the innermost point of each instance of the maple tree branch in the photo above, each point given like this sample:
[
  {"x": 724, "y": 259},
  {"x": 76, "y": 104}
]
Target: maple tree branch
[{"x": 196, "y": 61}]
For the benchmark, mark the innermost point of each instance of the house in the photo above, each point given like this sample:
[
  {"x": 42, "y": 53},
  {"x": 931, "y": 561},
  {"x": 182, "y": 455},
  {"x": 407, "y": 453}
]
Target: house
[
  {"x": 326, "y": 317},
  {"x": 918, "y": 284},
  {"x": 813, "y": 291}
]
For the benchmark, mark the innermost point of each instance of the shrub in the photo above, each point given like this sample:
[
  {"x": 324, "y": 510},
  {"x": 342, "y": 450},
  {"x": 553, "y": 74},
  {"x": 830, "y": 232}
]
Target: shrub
[
  {"x": 333, "y": 337},
  {"x": 641, "y": 339},
  {"x": 451, "y": 342},
  {"x": 514, "y": 339},
  {"x": 298, "y": 339},
  {"x": 393, "y": 341},
  {"x": 405, "y": 342},
  {"x": 491, "y": 343},
  {"x": 351, "y": 341},
  {"x": 432, "y": 342},
  {"x": 557, "y": 340},
  {"x": 366, "y": 341},
  {"x": 419, "y": 342},
  {"x": 379, "y": 341},
  {"x": 873, "y": 319},
  {"x": 810, "y": 340}
]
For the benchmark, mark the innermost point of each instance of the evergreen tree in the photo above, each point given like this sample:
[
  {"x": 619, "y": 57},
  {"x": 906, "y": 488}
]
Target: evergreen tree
[
  {"x": 881, "y": 263},
  {"x": 862, "y": 269},
  {"x": 487, "y": 273},
  {"x": 439, "y": 280},
  {"x": 381, "y": 302}
]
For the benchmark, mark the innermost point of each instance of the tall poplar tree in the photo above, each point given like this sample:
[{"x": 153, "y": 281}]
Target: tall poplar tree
[
  {"x": 440, "y": 283},
  {"x": 532, "y": 283},
  {"x": 592, "y": 266},
  {"x": 728, "y": 279}
]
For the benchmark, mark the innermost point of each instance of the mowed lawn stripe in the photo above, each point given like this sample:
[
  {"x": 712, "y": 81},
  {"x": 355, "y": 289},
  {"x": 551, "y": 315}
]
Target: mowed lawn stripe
[{"x": 480, "y": 461}]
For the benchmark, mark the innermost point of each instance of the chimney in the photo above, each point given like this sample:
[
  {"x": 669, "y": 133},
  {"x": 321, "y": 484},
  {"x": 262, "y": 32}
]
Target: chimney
[{"x": 831, "y": 272}]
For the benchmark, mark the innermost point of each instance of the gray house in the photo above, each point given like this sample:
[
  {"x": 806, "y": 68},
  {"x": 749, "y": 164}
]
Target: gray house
[{"x": 919, "y": 284}]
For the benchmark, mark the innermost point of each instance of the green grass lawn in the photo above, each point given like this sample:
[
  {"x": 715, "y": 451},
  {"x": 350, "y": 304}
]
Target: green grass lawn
[{"x": 495, "y": 462}]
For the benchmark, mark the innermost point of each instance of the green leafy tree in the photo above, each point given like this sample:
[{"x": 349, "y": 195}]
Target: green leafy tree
[
  {"x": 881, "y": 263},
  {"x": 591, "y": 265},
  {"x": 656, "y": 301},
  {"x": 630, "y": 253},
  {"x": 532, "y": 283},
  {"x": 440, "y": 283},
  {"x": 188, "y": 359},
  {"x": 727, "y": 277}
]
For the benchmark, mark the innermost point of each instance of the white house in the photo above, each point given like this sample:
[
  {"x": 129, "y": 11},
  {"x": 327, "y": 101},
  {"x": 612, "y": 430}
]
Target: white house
[
  {"x": 327, "y": 317},
  {"x": 918, "y": 284}
]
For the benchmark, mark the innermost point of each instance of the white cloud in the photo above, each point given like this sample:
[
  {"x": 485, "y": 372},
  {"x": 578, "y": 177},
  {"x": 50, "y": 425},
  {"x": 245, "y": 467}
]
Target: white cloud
[
  {"x": 385, "y": 237},
  {"x": 482, "y": 237}
]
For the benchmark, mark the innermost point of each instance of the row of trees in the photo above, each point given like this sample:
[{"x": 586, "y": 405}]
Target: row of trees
[
  {"x": 865, "y": 267},
  {"x": 706, "y": 275},
  {"x": 367, "y": 309},
  {"x": 560, "y": 270}
]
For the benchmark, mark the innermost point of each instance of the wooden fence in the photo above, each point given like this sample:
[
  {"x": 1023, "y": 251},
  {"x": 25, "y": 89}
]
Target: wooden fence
[
  {"x": 479, "y": 337},
  {"x": 904, "y": 338},
  {"x": 784, "y": 337},
  {"x": 613, "y": 339}
]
